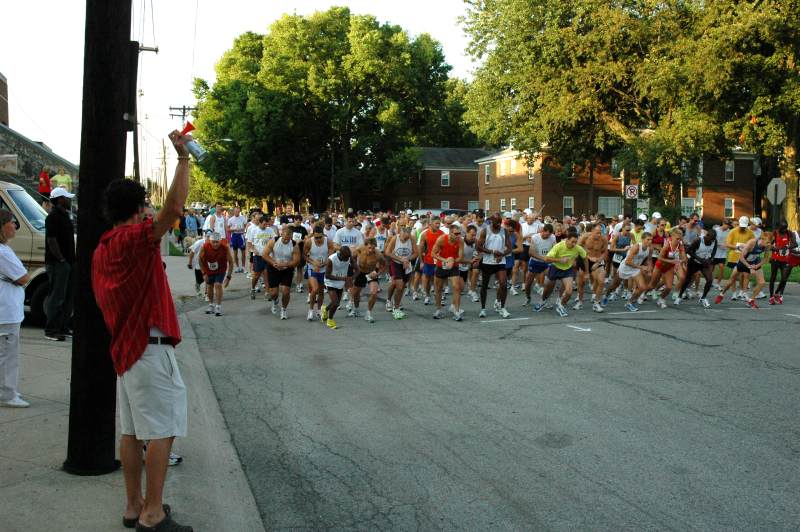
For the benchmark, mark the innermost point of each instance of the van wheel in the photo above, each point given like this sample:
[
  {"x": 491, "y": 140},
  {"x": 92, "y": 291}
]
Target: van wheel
[{"x": 36, "y": 316}]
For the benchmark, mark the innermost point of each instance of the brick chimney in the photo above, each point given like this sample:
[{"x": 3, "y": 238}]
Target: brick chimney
[{"x": 3, "y": 100}]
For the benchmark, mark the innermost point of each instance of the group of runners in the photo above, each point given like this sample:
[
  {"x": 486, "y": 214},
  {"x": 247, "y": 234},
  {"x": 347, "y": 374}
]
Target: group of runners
[{"x": 343, "y": 260}]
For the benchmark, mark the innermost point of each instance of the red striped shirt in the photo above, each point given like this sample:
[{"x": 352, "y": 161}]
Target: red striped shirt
[{"x": 132, "y": 291}]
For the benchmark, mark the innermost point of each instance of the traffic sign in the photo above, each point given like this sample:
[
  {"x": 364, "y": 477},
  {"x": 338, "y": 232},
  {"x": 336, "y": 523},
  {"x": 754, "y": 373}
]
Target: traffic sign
[
  {"x": 631, "y": 192},
  {"x": 776, "y": 191}
]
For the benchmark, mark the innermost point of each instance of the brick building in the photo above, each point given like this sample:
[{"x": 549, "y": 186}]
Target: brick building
[
  {"x": 506, "y": 182},
  {"x": 448, "y": 179}
]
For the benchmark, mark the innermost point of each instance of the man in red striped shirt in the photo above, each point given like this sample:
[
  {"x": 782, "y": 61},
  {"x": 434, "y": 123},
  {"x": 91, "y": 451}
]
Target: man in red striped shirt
[{"x": 133, "y": 293}]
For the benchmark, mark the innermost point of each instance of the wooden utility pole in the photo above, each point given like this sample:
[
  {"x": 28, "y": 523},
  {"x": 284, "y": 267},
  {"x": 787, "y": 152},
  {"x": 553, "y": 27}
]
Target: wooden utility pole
[{"x": 106, "y": 85}]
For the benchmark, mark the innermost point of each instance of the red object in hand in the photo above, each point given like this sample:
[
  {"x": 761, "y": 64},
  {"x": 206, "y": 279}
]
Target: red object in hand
[{"x": 189, "y": 127}]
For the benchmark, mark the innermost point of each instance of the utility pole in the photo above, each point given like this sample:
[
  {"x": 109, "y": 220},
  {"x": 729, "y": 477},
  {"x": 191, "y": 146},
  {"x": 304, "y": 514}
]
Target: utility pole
[
  {"x": 106, "y": 85},
  {"x": 183, "y": 112}
]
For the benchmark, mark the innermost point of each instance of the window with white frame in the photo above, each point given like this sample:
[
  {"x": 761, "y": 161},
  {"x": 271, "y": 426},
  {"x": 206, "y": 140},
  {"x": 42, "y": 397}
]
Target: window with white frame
[
  {"x": 487, "y": 177},
  {"x": 513, "y": 203},
  {"x": 687, "y": 206},
  {"x": 444, "y": 204},
  {"x": 502, "y": 204},
  {"x": 473, "y": 205},
  {"x": 502, "y": 165},
  {"x": 730, "y": 169},
  {"x": 487, "y": 205},
  {"x": 513, "y": 166},
  {"x": 568, "y": 205},
  {"x": 531, "y": 202},
  {"x": 445, "y": 178},
  {"x": 729, "y": 211},
  {"x": 611, "y": 206}
]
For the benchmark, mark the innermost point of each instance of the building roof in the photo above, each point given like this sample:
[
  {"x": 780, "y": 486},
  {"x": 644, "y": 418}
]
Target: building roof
[
  {"x": 40, "y": 147},
  {"x": 502, "y": 154},
  {"x": 450, "y": 158}
]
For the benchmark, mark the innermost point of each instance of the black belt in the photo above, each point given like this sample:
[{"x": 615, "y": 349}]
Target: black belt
[{"x": 158, "y": 340}]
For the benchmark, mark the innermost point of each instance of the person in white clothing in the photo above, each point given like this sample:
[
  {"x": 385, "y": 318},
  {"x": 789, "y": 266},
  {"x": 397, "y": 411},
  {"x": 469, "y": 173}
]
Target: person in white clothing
[
  {"x": 235, "y": 227},
  {"x": 282, "y": 256},
  {"x": 194, "y": 263},
  {"x": 352, "y": 238},
  {"x": 259, "y": 236},
  {"x": 317, "y": 249},
  {"x": 13, "y": 278}
]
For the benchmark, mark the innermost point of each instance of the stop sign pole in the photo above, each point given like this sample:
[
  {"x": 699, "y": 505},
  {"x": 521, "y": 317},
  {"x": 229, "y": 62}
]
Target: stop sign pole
[{"x": 776, "y": 193}]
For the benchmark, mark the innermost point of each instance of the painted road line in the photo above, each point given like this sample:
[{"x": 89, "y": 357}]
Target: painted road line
[
  {"x": 794, "y": 315},
  {"x": 582, "y": 329},
  {"x": 507, "y": 319},
  {"x": 629, "y": 312}
]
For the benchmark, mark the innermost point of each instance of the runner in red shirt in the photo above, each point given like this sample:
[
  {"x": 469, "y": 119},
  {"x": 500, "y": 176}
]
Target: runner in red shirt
[
  {"x": 216, "y": 262},
  {"x": 427, "y": 241},
  {"x": 132, "y": 292},
  {"x": 448, "y": 251},
  {"x": 784, "y": 246}
]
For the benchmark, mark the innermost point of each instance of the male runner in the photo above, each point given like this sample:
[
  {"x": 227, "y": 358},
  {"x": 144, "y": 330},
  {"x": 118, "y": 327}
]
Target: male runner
[
  {"x": 353, "y": 238},
  {"x": 632, "y": 269},
  {"x": 541, "y": 244},
  {"x": 299, "y": 235},
  {"x": 751, "y": 261},
  {"x": 259, "y": 237},
  {"x": 495, "y": 243},
  {"x": 596, "y": 247},
  {"x": 216, "y": 261},
  {"x": 448, "y": 251},
  {"x": 235, "y": 226},
  {"x": 317, "y": 250},
  {"x": 402, "y": 251},
  {"x": 194, "y": 263},
  {"x": 338, "y": 266},
  {"x": 282, "y": 255},
  {"x": 428, "y": 239},
  {"x": 701, "y": 254},
  {"x": 370, "y": 265},
  {"x": 561, "y": 258},
  {"x": 469, "y": 267},
  {"x": 216, "y": 222}
]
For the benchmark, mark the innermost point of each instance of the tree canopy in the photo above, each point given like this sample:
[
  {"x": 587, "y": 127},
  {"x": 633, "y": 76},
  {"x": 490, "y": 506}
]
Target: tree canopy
[{"x": 332, "y": 91}]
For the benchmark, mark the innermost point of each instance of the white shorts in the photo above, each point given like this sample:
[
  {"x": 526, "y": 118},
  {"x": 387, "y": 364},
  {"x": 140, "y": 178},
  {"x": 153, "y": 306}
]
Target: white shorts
[
  {"x": 626, "y": 272},
  {"x": 152, "y": 396}
]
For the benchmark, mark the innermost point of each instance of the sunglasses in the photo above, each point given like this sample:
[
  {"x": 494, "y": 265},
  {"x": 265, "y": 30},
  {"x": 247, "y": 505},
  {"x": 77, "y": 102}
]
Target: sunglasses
[{"x": 455, "y": 233}]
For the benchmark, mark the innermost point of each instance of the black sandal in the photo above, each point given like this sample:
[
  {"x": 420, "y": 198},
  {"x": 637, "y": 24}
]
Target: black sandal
[
  {"x": 131, "y": 523},
  {"x": 166, "y": 525}
]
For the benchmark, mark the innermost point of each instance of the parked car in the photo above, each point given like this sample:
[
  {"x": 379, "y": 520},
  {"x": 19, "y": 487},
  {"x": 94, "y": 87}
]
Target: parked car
[
  {"x": 28, "y": 244},
  {"x": 427, "y": 212}
]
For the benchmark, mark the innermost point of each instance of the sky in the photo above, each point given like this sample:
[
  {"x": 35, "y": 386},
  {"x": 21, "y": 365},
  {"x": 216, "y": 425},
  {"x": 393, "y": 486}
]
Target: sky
[{"x": 43, "y": 60}]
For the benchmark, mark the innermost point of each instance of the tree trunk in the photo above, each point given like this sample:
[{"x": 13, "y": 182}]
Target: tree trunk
[
  {"x": 789, "y": 175},
  {"x": 591, "y": 188}
]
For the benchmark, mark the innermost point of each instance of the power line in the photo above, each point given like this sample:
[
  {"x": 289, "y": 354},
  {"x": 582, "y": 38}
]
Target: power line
[
  {"x": 153, "y": 20},
  {"x": 194, "y": 39}
]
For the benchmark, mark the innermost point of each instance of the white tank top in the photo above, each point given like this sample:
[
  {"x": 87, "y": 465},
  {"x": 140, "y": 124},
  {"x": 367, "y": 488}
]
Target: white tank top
[
  {"x": 402, "y": 249},
  {"x": 494, "y": 242},
  {"x": 704, "y": 251},
  {"x": 282, "y": 252},
  {"x": 638, "y": 259},
  {"x": 381, "y": 238},
  {"x": 339, "y": 270},
  {"x": 319, "y": 253},
  {"x": 219, "y": 225}
]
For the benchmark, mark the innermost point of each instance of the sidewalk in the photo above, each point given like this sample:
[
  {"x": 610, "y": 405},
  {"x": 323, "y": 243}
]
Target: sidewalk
[{"x": 208, "y": 491}]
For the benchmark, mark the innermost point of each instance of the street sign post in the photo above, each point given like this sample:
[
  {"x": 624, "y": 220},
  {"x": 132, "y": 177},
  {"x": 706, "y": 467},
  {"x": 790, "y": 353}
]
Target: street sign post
[
  {"x": 776, "y": 193},
  {"x": 631, "y": 192}
]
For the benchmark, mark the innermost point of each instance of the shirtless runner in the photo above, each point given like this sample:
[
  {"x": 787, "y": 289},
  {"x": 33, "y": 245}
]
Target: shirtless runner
[
  {"x": 596, "y": 247},
  {"x": 371, "y": 264}
]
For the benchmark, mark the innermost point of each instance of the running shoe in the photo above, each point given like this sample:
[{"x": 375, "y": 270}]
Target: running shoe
[
  {"x": 275, "y": 307},
  {"x": 210, "y": 309},
  {"x": 482, "y": 313},
  {"x": 414, "y": 296},
  {"x": 577, "y": 306},
  {"x": 642, "y": 298},
  {"x": 630, "y": 307},
  {"x": 398, "y": 314},
  {"x": 761, "y": 295},
  {"x": 458, "y": 316},
  {"x": 346, "y": 296},
  {"x": 324, "y": 310},
  {"x": 252, "y": 293},
  {"x": 661, "y": 303},
  {"x": 446, "y": 290},
  {"x": 427, "y": 300},
  {"x": 389, "y": 306},
  {"x": 504, "y": 313},
  {"x": 676, "y": 300},
  {"x": 537, "y": 307},
  {"x": 310, "y": 316},
  {"x": 779, "y": 299},
  {"x": 351, "y": 313},
  {"x": 348, "y": 306},
  {"x": 526, "y": 302},
  {"x": 539, "y": 289},
  {"x": 594, "y": 298},
  {"x": 772, "y": 300},
  {"x": 752, "y": 304},
  {"x": 284, "y": 314},
  {"x": 561, "y": 310},
  {"x": 497, "y": 305},
  {"x": 718, "y": 299},
  {"x": 597, "y": 307},
  {"x": 475, "y": 297},
  {"x": 218, "y": 310},
  {"x": 604, "y": 301},
  {"x": 308, "y": 299},
  {"x": 175, "y": 459},
  {"x": 299, "y": 289},
  {"x": 438, "y": 315},
  {"x": 15, "y": 402},
  {"x": 331, "y": 324},
  {"x": 514, "y": 291},
  {"x": 705, "y": 303},
  {"x": 368, "y": 317}
]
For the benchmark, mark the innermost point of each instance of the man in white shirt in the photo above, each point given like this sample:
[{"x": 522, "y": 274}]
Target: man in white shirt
[
  {"x": 235, "y": 227},
  {"x": 353, "y": 238}
]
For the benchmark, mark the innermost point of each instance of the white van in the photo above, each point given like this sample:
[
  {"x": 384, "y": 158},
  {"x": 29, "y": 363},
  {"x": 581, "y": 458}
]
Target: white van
[{"x": 28, "y": 244}]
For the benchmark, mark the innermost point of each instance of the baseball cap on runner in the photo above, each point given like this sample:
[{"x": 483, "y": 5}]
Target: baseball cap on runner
[
  {"x": 657, "y": 215},
  {"x": 744, "y": 221},
  {"x": 756, "y": 220},
  {"x": 643, "y": 217},
  {"x": 508, "y": 214}
]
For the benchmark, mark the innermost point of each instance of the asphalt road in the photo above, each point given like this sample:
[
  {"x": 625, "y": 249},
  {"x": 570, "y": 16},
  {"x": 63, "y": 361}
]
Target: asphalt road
[{"x": 682, "y": 419}]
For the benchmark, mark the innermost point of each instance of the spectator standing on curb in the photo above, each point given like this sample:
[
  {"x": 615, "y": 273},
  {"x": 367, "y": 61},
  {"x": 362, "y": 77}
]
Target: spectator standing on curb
[
  {"x": 133, "y": 293},
  {"x": 59, "y": 258},
  {"x": 13, "y": 278},
  {"x": 44, "y": 187},
  {"x": 62, "y": 179}
]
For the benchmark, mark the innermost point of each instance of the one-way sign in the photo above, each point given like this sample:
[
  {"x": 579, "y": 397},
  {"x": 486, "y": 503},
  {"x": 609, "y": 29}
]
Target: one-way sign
[{"x": 776, "y": 191}]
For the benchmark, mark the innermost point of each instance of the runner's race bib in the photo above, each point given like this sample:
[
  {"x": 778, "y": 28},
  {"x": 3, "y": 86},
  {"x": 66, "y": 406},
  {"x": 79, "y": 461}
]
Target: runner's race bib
[
  {"x": 297, "y": 237},
  {"x": 213, "y": 266}
]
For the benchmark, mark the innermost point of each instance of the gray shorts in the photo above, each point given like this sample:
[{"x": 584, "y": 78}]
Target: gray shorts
[{"x": 152, "y": 396}]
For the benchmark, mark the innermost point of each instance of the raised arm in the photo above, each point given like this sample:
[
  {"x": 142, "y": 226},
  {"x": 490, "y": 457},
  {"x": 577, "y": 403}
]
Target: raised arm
[{"x": 178, "y": 191}]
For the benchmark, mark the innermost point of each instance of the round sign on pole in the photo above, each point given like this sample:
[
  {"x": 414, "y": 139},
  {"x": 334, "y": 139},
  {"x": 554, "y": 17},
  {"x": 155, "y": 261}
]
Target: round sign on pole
[
  {"x": 631, "y": 192},
  {"x": 776, "y": 191}
]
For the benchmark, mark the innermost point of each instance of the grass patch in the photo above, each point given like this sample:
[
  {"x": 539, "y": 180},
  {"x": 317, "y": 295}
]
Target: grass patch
[
  {"x": 175, "y": 251},
  {"x": 794, "y": 277}
]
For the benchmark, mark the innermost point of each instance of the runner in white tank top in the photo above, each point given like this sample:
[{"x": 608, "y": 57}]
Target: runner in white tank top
[
  {"x": 317, "y": 249},
  {"x": 282, "y": 256},
  {"x": 336, "y": 270}
]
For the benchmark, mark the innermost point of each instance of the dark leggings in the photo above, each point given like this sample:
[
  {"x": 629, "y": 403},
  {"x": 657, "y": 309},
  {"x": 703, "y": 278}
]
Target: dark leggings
[
  {"x": 707, "y": 269},
  {"x": 785, "y": 268}
]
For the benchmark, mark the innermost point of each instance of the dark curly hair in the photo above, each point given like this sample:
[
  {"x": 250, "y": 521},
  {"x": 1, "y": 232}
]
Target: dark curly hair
[{"x": 122, "y": 199}]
